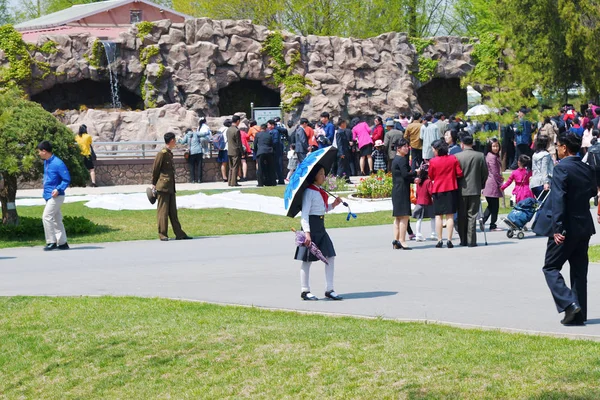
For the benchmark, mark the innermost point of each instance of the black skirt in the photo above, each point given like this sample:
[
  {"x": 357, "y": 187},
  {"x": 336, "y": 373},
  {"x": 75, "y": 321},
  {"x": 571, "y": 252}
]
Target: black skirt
[
  {"x": 319, "y": 236},
  {"x": 366, "y": 150},
  {"x": 445, "y": 203}
]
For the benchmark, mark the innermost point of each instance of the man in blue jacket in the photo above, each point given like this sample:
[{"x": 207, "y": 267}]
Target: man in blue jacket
[
  {"x": 566, "y": 220},
  {"x": 523, "y": 130},
  {"x": 56, "y": 181}
]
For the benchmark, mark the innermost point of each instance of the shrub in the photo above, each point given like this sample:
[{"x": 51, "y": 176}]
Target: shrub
[
  {"x": 334, "y": 184},
  {"x": 32, "y": 228},
  {"x": 375, "y": 186}
]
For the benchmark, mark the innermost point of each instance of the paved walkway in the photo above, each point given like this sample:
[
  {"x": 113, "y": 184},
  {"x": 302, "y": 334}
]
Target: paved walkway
[{"x": 496, "y": 286}]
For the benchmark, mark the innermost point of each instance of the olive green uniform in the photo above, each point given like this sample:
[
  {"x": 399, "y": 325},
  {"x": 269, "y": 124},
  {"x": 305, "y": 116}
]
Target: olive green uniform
[{"x": 163, "y": 177}]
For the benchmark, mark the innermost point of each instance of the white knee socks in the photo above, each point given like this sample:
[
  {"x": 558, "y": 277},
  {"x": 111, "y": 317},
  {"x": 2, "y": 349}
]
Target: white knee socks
[{"x": 305, "y": 275}]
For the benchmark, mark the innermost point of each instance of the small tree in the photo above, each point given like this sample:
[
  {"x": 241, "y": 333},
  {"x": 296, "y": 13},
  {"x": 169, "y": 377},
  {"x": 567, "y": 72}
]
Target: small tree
[{"x": 23, "y": 124}]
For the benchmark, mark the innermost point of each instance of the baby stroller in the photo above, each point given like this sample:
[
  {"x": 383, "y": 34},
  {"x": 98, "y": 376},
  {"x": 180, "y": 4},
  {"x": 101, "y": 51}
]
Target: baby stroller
[{"x": 522, "y": 213}]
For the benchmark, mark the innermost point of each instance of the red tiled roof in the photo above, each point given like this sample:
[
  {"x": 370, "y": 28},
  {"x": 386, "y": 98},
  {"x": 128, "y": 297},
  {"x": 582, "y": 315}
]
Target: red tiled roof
[{"x": 109, "y": 33}]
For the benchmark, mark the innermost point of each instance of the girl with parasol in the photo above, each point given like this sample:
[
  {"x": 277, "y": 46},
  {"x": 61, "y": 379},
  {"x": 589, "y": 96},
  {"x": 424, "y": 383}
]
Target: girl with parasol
[{"x": 314, "y": 206}]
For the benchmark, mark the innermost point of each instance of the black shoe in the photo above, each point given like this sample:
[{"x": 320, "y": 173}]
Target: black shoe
[
  {"x": 184, "y": 238},
  {"x": 164, "y": 239},
  {"x": 333, "y": 295},
  {"x": 405, "y": 248},
  {"x": 308, "y": 296},
  {"x": 50, "y": 246},
  {"x": 439, "y": 244},
  {"x": 463, "y": 244},
  {"x": 570, "y": 314},
  {"x": 63, "y": 246},
  {"x": 93, "y": 185},
  {"x": 473, "y": 245},
  {"x": 396, "y": 245},
  {"x": 449, "y": 244}
]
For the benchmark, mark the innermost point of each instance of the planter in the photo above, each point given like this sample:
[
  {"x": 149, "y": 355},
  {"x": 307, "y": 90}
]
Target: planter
[{"x": 355, "y": 198}]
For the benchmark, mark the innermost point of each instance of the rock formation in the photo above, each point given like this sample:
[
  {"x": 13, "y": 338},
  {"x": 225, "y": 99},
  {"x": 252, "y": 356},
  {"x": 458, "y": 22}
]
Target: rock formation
[{"x": 196, "y": 59}]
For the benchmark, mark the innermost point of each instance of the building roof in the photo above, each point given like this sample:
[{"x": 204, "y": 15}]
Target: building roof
[
  {"x": 109, "y": 33},
  {"x": 80, "y": 11}
]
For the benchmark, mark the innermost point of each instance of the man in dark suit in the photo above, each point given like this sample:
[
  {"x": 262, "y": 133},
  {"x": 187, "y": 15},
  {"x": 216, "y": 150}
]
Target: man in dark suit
[
  {"x": 263, "y": 148},
  {"x": 235, "y": 150},
  {"x": 342, "y": 141},
  {"x": 470, "y": 185},
  {"x": 565, "y": 218},
  {"x": 163, "y": 182}
]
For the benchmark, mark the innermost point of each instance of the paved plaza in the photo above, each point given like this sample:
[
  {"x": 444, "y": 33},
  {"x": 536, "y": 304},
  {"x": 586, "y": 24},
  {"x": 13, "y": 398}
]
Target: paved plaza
[{"x": 496, "y": 286}]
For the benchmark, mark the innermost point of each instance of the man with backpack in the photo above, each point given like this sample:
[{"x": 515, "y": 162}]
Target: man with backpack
[{"x": 219, "y": 143}]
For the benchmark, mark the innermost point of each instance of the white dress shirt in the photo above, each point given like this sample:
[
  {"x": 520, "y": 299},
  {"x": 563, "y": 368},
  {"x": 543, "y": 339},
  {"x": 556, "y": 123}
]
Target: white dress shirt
[{"x": 312, "y": 204}]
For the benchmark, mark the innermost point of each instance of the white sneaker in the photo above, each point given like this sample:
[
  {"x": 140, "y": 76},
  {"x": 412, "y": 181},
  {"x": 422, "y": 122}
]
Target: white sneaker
[
  {"x": 433, "y": 237},
  {"x": 420, "y": 238}
]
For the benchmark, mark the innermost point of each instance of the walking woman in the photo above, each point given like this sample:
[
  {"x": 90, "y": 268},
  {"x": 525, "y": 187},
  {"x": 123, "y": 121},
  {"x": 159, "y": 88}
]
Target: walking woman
[
  {"x": 444, "y": 171},
  {"x": 402, "y": 177},
  {"x": 492, "y": 191},
  {"x": 314, "y": 206},
  {"x": 84, "y": 140}
]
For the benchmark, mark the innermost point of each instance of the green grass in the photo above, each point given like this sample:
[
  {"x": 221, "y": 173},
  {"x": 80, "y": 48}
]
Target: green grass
[
  {"x": 594, "y": 253},
  {"x": 127, "y": 348},
  {"x": 116, "y": 226}
]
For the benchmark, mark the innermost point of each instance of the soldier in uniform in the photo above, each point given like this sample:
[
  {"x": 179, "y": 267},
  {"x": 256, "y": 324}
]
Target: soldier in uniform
[{"x": 163, "y": 182}]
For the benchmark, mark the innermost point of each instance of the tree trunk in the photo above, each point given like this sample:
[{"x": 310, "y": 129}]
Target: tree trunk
[{"x": 7, "y": 197}]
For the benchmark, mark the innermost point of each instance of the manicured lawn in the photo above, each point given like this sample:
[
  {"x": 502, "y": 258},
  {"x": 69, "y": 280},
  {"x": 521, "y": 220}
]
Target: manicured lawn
[
  {"x": 124, "y": 225},
  {"x": 594, "y": 253},
  {"x": 127, "y": 348}
]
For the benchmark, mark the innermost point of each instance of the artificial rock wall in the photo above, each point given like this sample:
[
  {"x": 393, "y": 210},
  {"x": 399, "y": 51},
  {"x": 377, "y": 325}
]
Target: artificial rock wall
[{"x": 196, "y": 59}]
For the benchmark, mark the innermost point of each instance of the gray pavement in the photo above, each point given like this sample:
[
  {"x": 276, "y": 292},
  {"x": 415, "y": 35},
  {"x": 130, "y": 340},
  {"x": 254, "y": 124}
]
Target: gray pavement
[{"x": 497, "y": 286}]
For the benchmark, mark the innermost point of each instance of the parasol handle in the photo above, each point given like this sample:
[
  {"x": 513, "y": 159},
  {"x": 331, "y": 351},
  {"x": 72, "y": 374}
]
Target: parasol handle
[
  {"x": 293, "y": 229},
  {"x": 334, "y": 196}
]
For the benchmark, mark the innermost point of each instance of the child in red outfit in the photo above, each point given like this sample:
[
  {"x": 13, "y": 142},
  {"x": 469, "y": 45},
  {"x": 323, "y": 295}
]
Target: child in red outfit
[
  {"x": 424, "y": 208},
  {"x": 521, "y": 178}
]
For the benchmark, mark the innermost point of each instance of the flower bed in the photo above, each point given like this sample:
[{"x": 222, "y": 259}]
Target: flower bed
[
  {"x": 377, "y": 186},
  {"x": 334, "y": 184}
]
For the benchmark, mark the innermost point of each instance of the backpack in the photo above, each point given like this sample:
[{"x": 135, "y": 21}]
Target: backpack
[{"x": 218, "y": 141}]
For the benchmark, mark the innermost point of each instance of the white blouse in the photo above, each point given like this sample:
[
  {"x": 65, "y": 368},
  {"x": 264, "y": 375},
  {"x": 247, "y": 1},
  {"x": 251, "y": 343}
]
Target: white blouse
[{"x": 312, "y": 204}]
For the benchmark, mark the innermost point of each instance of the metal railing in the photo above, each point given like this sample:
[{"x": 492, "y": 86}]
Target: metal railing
[{"x": 136, "y": 150}]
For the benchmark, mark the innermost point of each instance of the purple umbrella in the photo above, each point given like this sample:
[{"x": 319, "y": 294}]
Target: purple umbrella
[{"x": 301, "y": 237}]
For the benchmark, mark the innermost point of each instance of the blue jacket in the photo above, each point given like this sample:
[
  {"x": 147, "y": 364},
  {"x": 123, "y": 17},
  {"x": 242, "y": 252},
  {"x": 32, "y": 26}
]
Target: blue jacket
[
  {"x": 329, "y": 131},
  {"x": 523, "y": 132},
  {"x": 277, "y": 143},
  {"x": 56, "y": 176},
  {"x": 195, "y": 139}
]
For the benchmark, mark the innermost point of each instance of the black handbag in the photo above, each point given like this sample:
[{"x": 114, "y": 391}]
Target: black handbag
[{"x": 93, "y": 154}]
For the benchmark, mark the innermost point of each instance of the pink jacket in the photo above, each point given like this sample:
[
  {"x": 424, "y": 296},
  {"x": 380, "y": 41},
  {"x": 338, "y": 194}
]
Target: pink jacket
[
  {"x": 521, "y": 178},
  {"x": 494, "y": 180},
  {"x": 363, "y": 133}
]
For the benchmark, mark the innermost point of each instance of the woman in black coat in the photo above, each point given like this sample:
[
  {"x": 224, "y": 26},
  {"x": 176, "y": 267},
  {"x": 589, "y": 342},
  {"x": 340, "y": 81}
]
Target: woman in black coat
[{"x": 402, "y": 177}]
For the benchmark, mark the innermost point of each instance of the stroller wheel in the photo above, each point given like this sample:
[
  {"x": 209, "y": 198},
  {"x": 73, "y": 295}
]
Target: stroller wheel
[
  {"x": 520, "y": 235},
  {"x": 525, "y": 228},
  {"x": 510, "y": 233}
]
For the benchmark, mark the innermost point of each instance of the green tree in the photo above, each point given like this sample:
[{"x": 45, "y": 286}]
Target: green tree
[
  {"x": 23, "y": 124},
  {"x": 6, "y": 16}
]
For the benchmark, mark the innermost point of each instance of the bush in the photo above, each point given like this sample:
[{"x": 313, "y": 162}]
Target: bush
[
  {"x": 32, "y": 228},
  {"x": 375, "y": 186},
  {"x": 334, "y": 184}
]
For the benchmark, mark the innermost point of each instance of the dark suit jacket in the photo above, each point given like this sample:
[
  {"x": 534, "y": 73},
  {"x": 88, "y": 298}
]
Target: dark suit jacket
[
  {"x": 342, "y": 139},
  {"x": 263, "y": 143},
  {"x": 568, "y": 207},
  {"x": 475, "y": 172},
  {"x": 234, "y": 142}
]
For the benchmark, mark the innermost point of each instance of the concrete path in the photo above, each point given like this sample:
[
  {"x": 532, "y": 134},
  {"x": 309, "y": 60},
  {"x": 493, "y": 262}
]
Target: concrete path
[{"x": 496, "y": 286}]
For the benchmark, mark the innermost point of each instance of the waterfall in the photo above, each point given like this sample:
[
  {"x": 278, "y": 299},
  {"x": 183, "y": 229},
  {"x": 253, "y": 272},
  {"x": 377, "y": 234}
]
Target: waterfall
[{"x": 110, "y": 49}]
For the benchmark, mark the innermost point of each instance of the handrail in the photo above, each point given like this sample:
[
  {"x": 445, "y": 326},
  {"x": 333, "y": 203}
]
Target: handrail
[{"x": 136, "y": 149}]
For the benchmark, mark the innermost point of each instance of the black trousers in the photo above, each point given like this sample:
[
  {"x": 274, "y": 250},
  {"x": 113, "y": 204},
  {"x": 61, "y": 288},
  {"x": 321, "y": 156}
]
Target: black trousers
[
  {"x": 343, "y": 167},
  {"x": 492, "y": 210},
  {"x": 521, "y": 149},
  {"x": 416, "y": 156},
  {"x": 266, "y": 170},
  {"x": 575, "y": 250},
  {"x": 278, "y": 156},
  {"x": 195, "y": 161}
]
